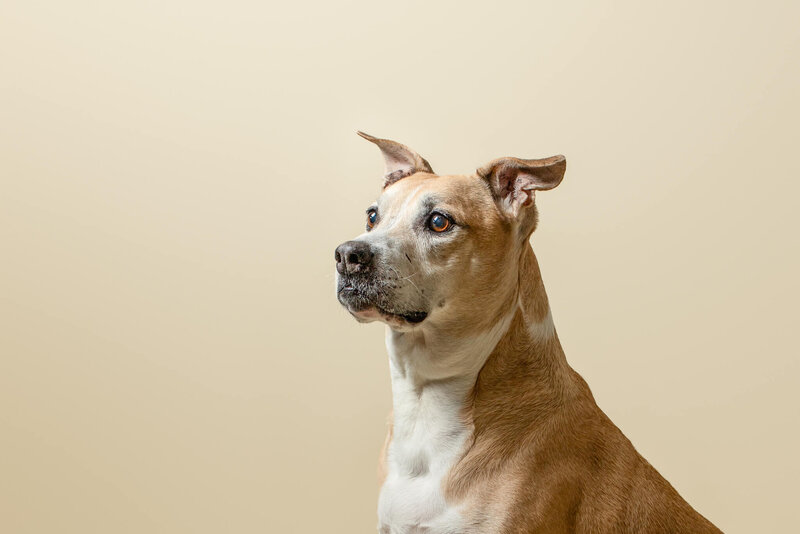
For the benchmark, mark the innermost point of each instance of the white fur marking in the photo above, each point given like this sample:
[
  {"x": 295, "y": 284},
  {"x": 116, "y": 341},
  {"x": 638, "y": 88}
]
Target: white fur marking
[{"x": 544, "y": 329}]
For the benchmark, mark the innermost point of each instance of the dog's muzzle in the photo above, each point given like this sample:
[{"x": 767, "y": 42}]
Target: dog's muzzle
[{"x": 362, "y": 288}]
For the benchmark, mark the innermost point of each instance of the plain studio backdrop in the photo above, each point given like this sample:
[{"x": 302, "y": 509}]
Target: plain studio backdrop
[{"x": 176, "y": 175}]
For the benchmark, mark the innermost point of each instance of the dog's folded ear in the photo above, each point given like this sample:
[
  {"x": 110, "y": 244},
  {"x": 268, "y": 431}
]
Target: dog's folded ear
[
  {"x": 514, "y": 181},
  {"x": 401, "y": 161}
]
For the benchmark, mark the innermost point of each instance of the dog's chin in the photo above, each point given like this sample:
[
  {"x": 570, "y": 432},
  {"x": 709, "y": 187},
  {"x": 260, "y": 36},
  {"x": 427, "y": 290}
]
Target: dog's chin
[{"x": 367, "y": 312}]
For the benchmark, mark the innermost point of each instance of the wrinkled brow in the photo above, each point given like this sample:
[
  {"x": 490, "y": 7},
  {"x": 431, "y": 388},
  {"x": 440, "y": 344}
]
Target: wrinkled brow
[{"x": 426, "y": 202}]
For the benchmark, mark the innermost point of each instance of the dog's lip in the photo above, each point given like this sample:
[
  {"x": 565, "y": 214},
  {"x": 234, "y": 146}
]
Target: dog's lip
[
  {"x": 414, "y": 317},
  {"x": 376, "y": 312}
]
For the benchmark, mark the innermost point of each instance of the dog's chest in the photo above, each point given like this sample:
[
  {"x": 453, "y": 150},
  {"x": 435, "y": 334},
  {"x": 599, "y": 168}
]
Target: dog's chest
[
  {"x": 415, "y": 506},
  {"x": 428, "y": 439}
]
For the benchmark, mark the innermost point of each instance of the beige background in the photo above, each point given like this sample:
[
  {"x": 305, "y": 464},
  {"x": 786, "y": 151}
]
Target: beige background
[{"x": 176, "y": 175}]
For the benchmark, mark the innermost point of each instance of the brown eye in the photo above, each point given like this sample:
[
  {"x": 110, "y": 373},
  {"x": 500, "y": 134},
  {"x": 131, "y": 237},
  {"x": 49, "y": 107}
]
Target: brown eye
[
  {"x": 439, "y": 223},
  {"x": 372, "y": 218}
]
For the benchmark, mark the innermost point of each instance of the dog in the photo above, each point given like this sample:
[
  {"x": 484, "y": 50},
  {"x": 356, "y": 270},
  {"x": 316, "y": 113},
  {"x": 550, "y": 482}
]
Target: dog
[{"x": 491, "y": 430}]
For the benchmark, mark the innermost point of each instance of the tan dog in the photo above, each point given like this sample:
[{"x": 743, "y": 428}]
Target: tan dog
[{"x": 493, "y": 431}]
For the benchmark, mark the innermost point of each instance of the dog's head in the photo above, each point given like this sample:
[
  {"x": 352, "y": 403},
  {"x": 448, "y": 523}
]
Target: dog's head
[{"x": 442, "y": 249}]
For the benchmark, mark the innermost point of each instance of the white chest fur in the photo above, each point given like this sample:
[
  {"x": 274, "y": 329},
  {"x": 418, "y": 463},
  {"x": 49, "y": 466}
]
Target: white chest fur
[
  {"x": 429, "y": 388},
  {"x": 428, "y": 437}
]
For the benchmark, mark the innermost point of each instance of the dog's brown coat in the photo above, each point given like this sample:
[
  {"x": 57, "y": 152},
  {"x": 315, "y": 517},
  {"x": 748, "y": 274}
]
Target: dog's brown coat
[{"x": 538, "y": 430}]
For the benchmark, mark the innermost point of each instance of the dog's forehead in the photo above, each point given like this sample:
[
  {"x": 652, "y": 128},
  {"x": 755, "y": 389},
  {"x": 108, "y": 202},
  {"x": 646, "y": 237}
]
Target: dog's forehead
[{"x": 422, "y": 189}]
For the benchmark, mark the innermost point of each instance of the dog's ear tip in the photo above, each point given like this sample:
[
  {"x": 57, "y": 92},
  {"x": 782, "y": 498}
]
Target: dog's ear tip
[{"x": 400, "y": 160}]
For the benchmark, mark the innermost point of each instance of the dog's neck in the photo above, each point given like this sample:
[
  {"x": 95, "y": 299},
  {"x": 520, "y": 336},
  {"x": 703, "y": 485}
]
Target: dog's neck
[{"x": 443, "y": 387}]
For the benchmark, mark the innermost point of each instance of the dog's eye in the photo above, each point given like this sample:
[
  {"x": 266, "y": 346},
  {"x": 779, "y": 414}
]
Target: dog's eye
[
  {"x": 439, "y": 223},
  {"x": 372, "y": 218}
]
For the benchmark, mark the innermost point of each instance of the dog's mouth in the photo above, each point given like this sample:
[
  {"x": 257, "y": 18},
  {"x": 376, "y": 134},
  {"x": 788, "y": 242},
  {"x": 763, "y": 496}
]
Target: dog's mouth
[{"x": 367, "y": 304}]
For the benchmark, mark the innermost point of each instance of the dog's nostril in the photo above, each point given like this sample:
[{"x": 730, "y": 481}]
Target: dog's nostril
[{"x": 353, "y": 256}]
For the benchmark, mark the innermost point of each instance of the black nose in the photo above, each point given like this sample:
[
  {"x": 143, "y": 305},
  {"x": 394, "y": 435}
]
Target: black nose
[{"x": 353, "y": 256}]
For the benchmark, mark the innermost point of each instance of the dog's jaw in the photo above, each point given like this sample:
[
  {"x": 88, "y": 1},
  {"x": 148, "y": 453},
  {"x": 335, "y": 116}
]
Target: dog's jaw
[
  {"x": 393, "y": 320},
  {"x": 365, "y": 310}
]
